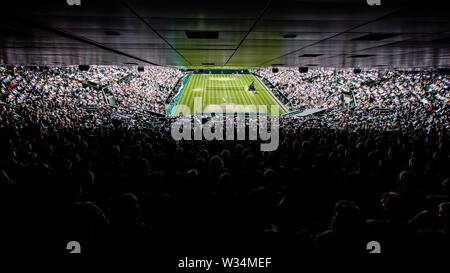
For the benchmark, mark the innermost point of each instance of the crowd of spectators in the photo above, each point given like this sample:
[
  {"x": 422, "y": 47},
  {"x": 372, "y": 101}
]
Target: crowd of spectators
[
  {"x": 97, "y": 74},
  {"x": 148, "y": 90},
  {"x": 48, "y": 99},
  {"x": 335, "y": 182},
  {"x": 386, "y": 100},
  {"x": 55, "y": 97}
]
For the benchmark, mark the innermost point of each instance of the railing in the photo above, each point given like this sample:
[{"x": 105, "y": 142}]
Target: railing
[
  {"x": 170, "y": 107},
  {"x": 143, "y": 111},
  {"x": 7, "y": 105},
  {"x": 174, "y": 90},
  {"x": 126, "y": 78},
  {"x": 275, "y": 90}
]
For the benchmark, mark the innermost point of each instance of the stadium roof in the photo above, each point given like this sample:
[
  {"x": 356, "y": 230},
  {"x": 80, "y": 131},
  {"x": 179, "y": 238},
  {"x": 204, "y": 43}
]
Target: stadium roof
[{"x": 329, "y": 33}]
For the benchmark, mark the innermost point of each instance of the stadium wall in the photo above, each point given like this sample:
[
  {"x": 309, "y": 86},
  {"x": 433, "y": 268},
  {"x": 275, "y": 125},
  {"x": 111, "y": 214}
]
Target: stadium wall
[
  {"x": 221, "y": 71},
  {"x": 171, "y": 106}
]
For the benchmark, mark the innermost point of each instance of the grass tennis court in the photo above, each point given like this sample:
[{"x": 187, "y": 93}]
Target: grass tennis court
[{"x": 228, "y": 92}]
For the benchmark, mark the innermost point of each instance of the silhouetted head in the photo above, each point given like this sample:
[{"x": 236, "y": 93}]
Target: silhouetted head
[
  {"x": 446, "y": 187},
  {"x": 216, "y": 164},
  {"x": 405, "y": 179},
  {"x": 225, "y": 186},
  {"x": 394, "y": 206},
  {"x": 348, "y": 219},
  {"x": 270, "y": 178},
  {"x": 86, "y": 181},
  {"x": 124, "y": 210},
  {"x": 444, "y": 212}
]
